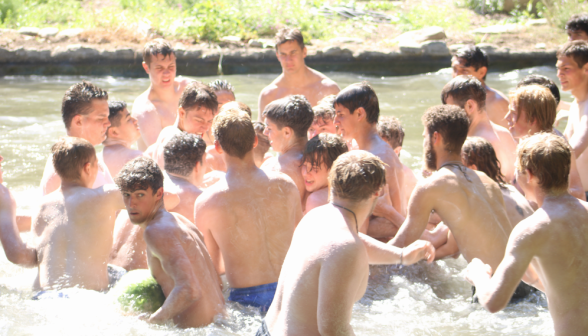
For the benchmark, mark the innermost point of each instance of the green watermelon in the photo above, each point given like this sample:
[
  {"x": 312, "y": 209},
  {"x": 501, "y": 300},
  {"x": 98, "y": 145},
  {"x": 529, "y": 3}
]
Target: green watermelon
[{"x": 137, "y": 291}]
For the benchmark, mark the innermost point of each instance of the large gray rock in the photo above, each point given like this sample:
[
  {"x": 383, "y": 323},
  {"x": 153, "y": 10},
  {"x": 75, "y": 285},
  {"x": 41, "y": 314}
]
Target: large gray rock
[
  {"x": 230, "y": 41},
  {"x": 75, "y": 52},
  {"x": 334, "y": 51},
  {"x": 426, "y": 34},
  {"x": 30, "y": 31},
  {"x": 435, "y": 48},
  {"x": 32, "y": 55},
  {"x": 68, "y": 33},
  {"x": 410, "y": 48},
  {"x": 500, "y": 29},
  {"x": 253, "y": 43},
  {"x": 48, "y": 32},
  {"x": 192, "y": 54},
  {"x": 6, "y": 55}
]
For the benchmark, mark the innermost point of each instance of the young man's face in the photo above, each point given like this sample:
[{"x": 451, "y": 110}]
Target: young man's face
[
  {"x": 459, "y": 68},
  {"x": 344, "y": 122},
  {"x": 141, "y": 204},
  {"x": 162, "y": 70},
  {"x": 518, "y": 124},
  {"x": 128, "y": 129},
  {"x": 321, "y": 125},
  {"x": 569, "y": 73},
  {"x": 291, "y": 56},
  {"x": 574, "y": 35},
  {"x": 197, "y": 120},
  {"x": 315, "y": 178},
  {"x": 224, "y": 97},
  {"x": 95, "y": 124},
  {"x": 274, "y": 134}
]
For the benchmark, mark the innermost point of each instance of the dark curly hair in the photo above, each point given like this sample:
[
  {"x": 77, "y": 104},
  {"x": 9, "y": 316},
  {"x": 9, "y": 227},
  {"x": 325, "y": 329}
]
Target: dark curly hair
[
  {"x": 77, "y": 100},
  {"x": 390, "y": 129},
  {"x": 451, "y": 122},
  {"x": 293, "y": 111},
  {"x": 324, "y": 148},
  {"x": 140, "y": 174},
  {"x": 182, "y": 152}
]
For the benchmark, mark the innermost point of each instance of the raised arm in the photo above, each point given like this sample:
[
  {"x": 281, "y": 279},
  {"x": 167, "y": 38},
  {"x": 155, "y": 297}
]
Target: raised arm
[
  {"x": 419, "y": 209},
  {"x": 385, "y": 254},
  {"x": 164, "y": 246},
  {"x": 17, "y": 252}
]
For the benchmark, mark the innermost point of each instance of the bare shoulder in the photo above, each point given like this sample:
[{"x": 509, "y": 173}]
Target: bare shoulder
[
  {"x": 325, "y": 82},
  {"x": 7, "y": 201},
  {"x": 183, "y": 82},
  {"x": 162, "y": 226},
  {"x": 211, "y": 195},
  {"x": 281, "y": 179},
  {"x": 317, "y": 199},
  {"x": 142, "y": 105},
  {"x": 497, "y": 96},
  {"x": 537, "y": 225},
  {"x": 269, "y": 91}
]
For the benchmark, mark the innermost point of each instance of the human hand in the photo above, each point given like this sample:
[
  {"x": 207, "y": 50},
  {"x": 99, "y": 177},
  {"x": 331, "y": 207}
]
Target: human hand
[
  {"x": 420, "y": 249},
  {"x": 476, "y": 269}
]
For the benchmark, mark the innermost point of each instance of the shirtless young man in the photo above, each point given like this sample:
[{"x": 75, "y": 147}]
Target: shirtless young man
[
  {"x": 577, "y": 27},
  {"x": 84, "y": 110},
  {"x": 471, "y": 60},
  {"x": 248, "y": 217},
  {"x": 357, "y": 112},
  {"x": 390, "y": 129},
  {"x": 224, "y": 92},
  {"x": 478, "y": 154},
  {"x": 287, "y": 121},
  {"x": 198, "y": 105},
  {"x": 296, "y": 77},
  {"x": 326, "y": 269},
  {"x": 72, "y": 231},
  {"x": 319, "y": 155},
  {"x": 532, "y": 110},
  {"x": 120, "y": 136},
  {"x": 468, "y": 93},
  {"x": 157, "y": 107},
  {"x": 572, "y": 71},
  {"x": 324, "y": 113},
  {"x": 549, "y": 248},
  {"x": 177, "y": 256}
]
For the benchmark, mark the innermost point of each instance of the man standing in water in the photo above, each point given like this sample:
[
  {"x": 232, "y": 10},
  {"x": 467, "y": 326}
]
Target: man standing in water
[
  {"x": 157, "y": 107},
  {"x": 248, "y": 217},
  {"x": 296, "y": 77},
  {"x": 549, "y": 249},
  {"x": 326, "y": 269},
  {"x": 471, "y": 60},
  {"x": 84, "y": 110},
  {"x": 120, "y": 136},
  {"x": 177, "y": 256}
]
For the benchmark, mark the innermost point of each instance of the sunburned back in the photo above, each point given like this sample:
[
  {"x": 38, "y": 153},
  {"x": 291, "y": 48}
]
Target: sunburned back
[
  {"x": 516, "y": 206},
  {"x": 252, "y": 219},
  {"x": 185, "y": 234},
  {"x": 471, "y": 205},
  {"x": 562, "y": 262},
  {"x": 73, "y": 237}
]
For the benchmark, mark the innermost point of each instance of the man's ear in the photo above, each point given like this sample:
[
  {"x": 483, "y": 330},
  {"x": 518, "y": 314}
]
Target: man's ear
[
  {"x": 474, "y": 167},
  {"x": 146, "y": 67},
  {"x": 437, "y": 138},
  {"x": 470, "y": 106},
  {"x": 218, "y": 147},
  {"x": 256, "y": 141},
  {"x": 482, "y": 71},
  {"x": 87, "y": 167},
  {"x": 76, "y": 121},
  {"x": 397, "y": 150},
  {"x": 159, "y": 193},
  {"x": 360, "y": 113},
  {"x": 304, "y": 52},
  {"x": 288, "y": 132},
  {"x": 181, "y": 112},
  {"x": 112, "y": 132}
]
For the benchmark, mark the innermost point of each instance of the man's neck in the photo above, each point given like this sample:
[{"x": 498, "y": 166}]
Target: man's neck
[
  {"x": 542, "y": 197},
  {"x": 580, "y": 92},
  {"x": 179, "y": 178},
  {"x": 478, "y": 119},
  {"x": 296, "y": 146},
  {"x": 158, "y": 210},
  {"x": 163, "y": 94},
  {"x": 237, "y": 166},
  {"x": 349, "y": 208},
  {"x": 445, "y": 157},
  {"x": 69, "y": 184},
  {"x": 296, "y": 79},
  {"x": 365, "y": 135},
  {"x": 116, "y": 142}
]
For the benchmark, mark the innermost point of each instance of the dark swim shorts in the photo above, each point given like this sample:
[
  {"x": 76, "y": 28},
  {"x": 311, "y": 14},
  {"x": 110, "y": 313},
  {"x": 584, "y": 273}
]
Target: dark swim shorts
[
  {"x": 262, "y": 331},
  {"x": 257, "y": 296},
  {"x": 522, "y": 292}
]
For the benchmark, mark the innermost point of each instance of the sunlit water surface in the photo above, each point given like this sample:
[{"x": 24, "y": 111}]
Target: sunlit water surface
[{"x": 417, "y": 300}]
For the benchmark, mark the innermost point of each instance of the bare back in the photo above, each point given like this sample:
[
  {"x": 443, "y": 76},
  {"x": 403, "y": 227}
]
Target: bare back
[
  {"x": 503, "y": 143},
  {"x": 129, "y": 250},
  {"x": 496, "y": 106},
  {"x": 188, "y": 194},
  {"x": 516, "y": 205},
  {"x": 289, "y": 163},
  {"x": 248, "y": 219},
  {"x": 116, "y": 156},
  {"x": 394, "y": 173}
]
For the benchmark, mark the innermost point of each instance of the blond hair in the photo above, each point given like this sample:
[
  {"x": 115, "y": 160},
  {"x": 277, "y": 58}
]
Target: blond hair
[{"x": 538, "y": 103}]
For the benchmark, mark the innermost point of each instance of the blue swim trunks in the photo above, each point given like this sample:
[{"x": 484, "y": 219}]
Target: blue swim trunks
[{"x": 258, "y": 296}]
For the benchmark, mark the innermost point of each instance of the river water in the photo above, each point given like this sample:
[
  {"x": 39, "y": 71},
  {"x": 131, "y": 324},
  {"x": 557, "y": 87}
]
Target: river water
[{"x": 416, "y": 300}]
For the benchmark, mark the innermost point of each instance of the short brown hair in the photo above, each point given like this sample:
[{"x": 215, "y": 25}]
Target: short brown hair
[
  {"x": 538, "y": 103},
  {"x": 324, "y": 149},
  {"x": 293, "y": 111},
  {"x": 141, "y": 173},
  {"x": 451, "y": 122},
  {"x": 577, "y": 50},
  {"x": 478, "y": 151},
  {"x": 263, "y": 143},
  {"x": 463, "y": 88},
  {"x": 360, "y": 95},
  {"x": 157, "y": 47},
  {"x": 356, "y": 175},
  {"x": 390, "y": 129},
  {"x": 289, "y": 34},
  {"x": 114, "y": 109},
  {"x": 70, "y": 154},
  {"x": 197, "y": 95},
  {"x": 77, "y": 100},
  {"x": 323, "y": 112},
  {"x": 182, "y": 152},
  {"x": 547, "y": 156},
  {"x": 234, "y": 131},
  {"x": 238, "y": 105}
]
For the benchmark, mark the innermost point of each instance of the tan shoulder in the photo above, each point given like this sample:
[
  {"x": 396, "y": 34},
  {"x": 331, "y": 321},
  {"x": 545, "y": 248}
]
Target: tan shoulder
[
  {"x": 269, "y": 92},
  {"x": 142, "y": 105},
  {"x": 497, "y": 95},
  {"x": 183, "y": 82}
]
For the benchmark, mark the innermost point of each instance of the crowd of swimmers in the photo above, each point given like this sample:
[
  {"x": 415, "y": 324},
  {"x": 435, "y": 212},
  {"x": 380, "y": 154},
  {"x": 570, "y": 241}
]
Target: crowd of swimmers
[{"x": 294, "y": 233}]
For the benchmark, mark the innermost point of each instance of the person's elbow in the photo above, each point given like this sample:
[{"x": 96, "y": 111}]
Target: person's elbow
[
  {"x": 493, "y": 303},
  {"x": 190, "y": 293},
  {"x": 21, "y": 257}
]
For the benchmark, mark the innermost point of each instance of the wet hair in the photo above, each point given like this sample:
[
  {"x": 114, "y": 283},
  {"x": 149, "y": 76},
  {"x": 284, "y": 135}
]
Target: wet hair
[
  {"x": 70, "y": 154},
  {"x": 114, "y": 107},
  {"x": 327, "y": 100},
  {"x": 543, "y": 81},
  {"x": 577, "y": 50},
  {"x": 478, "y": 151},
  {"x": 324, "y": 149},
  {"x": 360, "y": 95},
  {"x": 463, "y": 88},
  {"x": 578, "y": 22},
  {"x": 236, "y": 105},
  {"x": 390, "y": 129},
  {"x": 263, "y": 143},
  {"x": 182, "y": 153},
  {"x": 356, "y": 175},
  {"x": 78, "y": 99},
  {"x": 451, "y": 122},
  {"x": 234, "y": 131},
  {"x": 474, "y": 57},
  {"x": 140, "y": 173},
  {"x": 289, "y": 34},
  {"x": 538, "y": 103},
  {"x": 323, "y": 112},
  {"x": 157, "y": 47},
  {"x": 221, "y": 85},
  {"x": 198, "y": 95},
  {"x": 293, "y": 111},
  {"x": 548, "y": 157}
]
